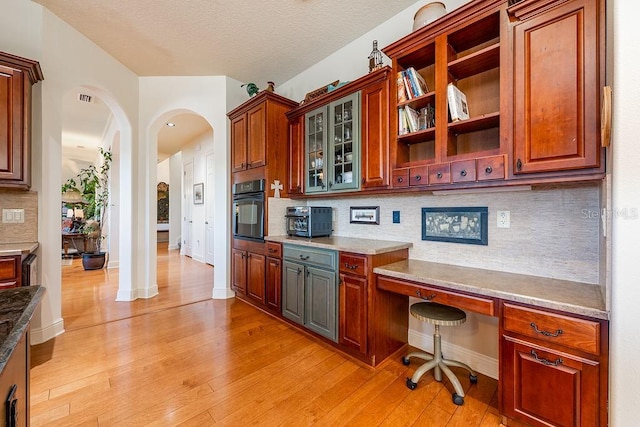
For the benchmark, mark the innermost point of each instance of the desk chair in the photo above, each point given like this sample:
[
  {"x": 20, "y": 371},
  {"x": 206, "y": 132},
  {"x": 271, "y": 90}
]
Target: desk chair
[{"x": 438, "y": 314}]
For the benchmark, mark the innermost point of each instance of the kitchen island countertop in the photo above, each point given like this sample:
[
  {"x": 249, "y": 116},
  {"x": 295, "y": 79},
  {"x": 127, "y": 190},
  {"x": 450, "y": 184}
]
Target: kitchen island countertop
[{"x": 10, "y": 249}]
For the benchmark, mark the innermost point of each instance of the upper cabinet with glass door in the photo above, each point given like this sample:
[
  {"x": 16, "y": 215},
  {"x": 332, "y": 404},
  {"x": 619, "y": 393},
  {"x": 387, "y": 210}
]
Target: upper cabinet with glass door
[{"x": 332, "y": 146}]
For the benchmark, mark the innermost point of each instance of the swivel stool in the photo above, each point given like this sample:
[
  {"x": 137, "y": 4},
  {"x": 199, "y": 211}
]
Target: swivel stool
[{"x": 438, "y": 314}]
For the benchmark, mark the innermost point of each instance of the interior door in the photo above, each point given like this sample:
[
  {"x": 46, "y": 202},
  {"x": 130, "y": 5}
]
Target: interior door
[
  {"x": 209, "y": 206},
  {"x": 187, "y": 222}
]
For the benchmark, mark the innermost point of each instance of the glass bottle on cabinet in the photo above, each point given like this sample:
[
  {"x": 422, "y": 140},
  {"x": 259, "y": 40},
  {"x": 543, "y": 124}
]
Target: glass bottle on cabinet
[{"x": 333, "y": 154}]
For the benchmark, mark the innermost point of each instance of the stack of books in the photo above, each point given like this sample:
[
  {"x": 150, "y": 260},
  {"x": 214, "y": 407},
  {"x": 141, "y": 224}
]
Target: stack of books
[
  {"x": 409, "y": 120},
  {"x": 410, "y": 85}
]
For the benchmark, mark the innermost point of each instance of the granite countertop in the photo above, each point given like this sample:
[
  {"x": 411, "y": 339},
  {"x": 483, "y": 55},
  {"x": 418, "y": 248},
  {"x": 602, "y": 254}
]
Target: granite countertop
[
  {"x": 9, "y": 249},
  {"x": 571, "y": 297},
  {"x": 16, "y": 309},
  {"x": 344, "y": 244}
]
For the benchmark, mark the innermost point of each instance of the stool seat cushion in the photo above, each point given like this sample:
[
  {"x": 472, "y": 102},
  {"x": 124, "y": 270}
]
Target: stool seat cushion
[{"x": 438, "y": 314}]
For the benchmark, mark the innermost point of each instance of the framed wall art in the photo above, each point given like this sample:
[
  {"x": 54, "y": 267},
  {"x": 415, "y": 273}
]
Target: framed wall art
[
  {"x": 198, "y": 193},
  {"x": 457, "y": 225},
  {"x": 365, "y": 215}
]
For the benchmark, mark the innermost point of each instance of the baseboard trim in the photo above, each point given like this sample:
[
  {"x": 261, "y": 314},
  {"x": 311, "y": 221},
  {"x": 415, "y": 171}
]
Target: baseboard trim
[
  {"x": 129, "y": 295},
  {"x": 223, "y": 293},
  {"x": 148, "y": 293},
  {"x": 40, "y": 335},
  {"x": 479, "y": 362}
]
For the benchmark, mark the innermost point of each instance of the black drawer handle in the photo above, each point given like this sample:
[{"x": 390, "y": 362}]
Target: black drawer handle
[
  {"x": 427, "y": 298},
  {"x": 271, "y": 250},
  {"x": 418, "y": 177},
  {"x": 557, "y": 362},
  {"x": 488, "y": 170},
  {"x": 463, "y": 172},
  {"x": 350, "y": 266},
  {"x": 545, "y": 333},
  {"x": 400, "y": 179},
  {"x": 519, "y": 165},
  {"x": 439, "y": 175},
  {"x": 304, "y": 258}
]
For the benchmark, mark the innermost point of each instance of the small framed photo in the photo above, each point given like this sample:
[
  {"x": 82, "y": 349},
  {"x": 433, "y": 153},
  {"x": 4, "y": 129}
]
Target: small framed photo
[
  {"x": 198, "y": 193},
  {"x": 457, "y": 225},
  {"x": 365, "y": 215}
]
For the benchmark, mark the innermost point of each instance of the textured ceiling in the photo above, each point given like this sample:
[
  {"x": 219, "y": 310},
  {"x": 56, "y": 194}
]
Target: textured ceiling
[{"x": 248, "y": 40}]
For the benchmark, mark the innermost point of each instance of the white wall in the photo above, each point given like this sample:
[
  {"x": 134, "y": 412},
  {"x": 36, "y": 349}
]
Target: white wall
[
  {"x": 164, "y": 172},
  {"x": 161, "y": 98},
  {"x": 625, "y": 341},
  {"x": 68, "y": 60}
]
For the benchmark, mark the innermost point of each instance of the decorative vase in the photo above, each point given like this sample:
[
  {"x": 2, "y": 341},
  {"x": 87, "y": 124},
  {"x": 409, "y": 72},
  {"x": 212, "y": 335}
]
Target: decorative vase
[
  {"x": 428, "y": 13},
  {"x": 93, "y": 261}
]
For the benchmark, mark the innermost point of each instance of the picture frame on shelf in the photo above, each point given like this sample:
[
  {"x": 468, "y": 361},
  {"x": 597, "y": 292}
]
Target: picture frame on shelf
[
  {"x": 365, "y": 215},
  {"x": 456, "y": 224},
  {"x": 198, "y": 193}
]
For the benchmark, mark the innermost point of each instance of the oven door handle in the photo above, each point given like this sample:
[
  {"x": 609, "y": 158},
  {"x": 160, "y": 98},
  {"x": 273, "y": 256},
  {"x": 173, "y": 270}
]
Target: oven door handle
[{"x": 249, "y": 196}]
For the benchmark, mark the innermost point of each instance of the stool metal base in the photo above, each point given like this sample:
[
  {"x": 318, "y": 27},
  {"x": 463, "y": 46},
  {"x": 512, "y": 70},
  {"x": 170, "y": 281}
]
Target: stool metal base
[{"x": 439, "y": 365}]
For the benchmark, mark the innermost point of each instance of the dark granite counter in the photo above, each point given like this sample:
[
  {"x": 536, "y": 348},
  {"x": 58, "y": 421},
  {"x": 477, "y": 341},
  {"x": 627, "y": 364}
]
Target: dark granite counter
[{"x": 16, "y": 309}]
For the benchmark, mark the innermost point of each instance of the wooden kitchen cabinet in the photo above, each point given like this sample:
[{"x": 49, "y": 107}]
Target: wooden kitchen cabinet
[
  {"x": 345, "y": 152},
  {"x": 375, "y": 135},
  {"x": 17, "y": 75},
  {"x": 553, "y": 367},
  {"x": 353, "y": 302},
  {"x": 14, "y": 385},
  {"x": 273, "y": 281},
  {"x": 10, "y": 271},
  {"x": 259, "y": 134},
  {"x": 249, "y": 274},
  {"x": 558, "y": 75}
]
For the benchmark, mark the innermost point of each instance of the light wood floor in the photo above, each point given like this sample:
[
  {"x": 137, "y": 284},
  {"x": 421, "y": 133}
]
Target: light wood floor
[{"x": 184, "y": 359}]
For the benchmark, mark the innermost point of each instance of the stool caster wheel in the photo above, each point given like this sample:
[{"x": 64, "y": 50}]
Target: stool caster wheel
[
  {"x": 411, "y": 385},
  {"x": 473, "y": 379},
  {"x": 457, "y": 399},
  {"x": 406, "y": 361}
]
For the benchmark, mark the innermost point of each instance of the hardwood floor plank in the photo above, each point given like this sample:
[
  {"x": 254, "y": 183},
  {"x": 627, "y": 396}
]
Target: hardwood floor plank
[{"x": 184, "y": 359}]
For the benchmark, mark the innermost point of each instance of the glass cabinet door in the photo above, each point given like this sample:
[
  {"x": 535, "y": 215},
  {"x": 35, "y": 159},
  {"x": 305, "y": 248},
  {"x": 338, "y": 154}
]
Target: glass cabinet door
[
  {"x": 315, "y": 144},
  {"x": 344, "y": 143}
]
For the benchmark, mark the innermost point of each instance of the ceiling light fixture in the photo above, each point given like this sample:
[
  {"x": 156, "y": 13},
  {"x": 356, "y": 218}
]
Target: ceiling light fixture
[{"x": 171, "y": 124}]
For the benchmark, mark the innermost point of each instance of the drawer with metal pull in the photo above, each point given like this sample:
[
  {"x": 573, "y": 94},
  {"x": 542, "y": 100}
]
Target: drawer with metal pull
[
  {"x": 554, "y": 328},
  {"x": 353, "y": 264},
  {"x": 274, "y": 249},
  {"x": 468, "y": 302},
  {"x": 319, "y": 257}
]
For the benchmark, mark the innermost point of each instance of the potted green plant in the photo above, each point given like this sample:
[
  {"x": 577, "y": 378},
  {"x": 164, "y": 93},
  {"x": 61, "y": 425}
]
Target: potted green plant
[{"x": 93, "y": 184}]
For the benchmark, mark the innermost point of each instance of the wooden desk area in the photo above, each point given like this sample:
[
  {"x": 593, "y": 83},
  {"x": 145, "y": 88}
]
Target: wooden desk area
[
  {"x": 68, "y": 237},
  {"x": 551, "y": 332}
]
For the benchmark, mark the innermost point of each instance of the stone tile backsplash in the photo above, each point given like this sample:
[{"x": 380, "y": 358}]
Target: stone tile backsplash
[
  {"x": 27, "y": 231},
  {"x": 554, "y": 232}
]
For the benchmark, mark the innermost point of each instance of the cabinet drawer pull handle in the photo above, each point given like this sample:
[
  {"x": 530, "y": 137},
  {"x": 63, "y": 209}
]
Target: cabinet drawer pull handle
[
  {"x": 350, "y": 266},
  {"x": 545, "y": 333},
  {"x": 519, "y": 165},
  {"x": 463, "y": 172},
  {"x": 557, "y": 362},
  {"x": 427, "y": 298},
  {"x": 271, "y": 250},
  {"x": 418, "y": 177},
  {"x": 488, "y": 170},
  {"x": 400, "y": 179},
  {"x": 363, "y": 181},
  {"x": 304, "y": 258},
  {"x": 299, "y": 271},
  {"x": 439, "y": 175}
]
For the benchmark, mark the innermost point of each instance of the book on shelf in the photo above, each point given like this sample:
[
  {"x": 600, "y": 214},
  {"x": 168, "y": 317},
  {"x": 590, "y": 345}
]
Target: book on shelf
[
  {"x": 418, "y": 82},
  {"x": 412, "y": 116},
  {"x": 402, "y": 93},
  {"x": 458, "y": 107},
  {"x": 403, "y": 121},
  {"x": 407, "y": 85}
]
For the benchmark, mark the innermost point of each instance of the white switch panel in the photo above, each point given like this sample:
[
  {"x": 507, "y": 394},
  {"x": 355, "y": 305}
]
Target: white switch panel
[{"x": 13, "y": 216}]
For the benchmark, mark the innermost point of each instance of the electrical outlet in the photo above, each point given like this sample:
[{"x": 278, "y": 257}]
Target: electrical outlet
[
  {"x": 504, "y": 219},
  {"x": 396, "y": 217},
  {"x": 12, "y": 216}
]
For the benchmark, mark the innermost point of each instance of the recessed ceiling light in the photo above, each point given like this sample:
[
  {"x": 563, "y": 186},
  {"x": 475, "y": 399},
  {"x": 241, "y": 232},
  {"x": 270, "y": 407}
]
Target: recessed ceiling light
[{"x": 171, "y": 124}]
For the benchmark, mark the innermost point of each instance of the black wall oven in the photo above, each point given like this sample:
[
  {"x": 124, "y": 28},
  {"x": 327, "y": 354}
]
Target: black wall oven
[{"x": 248, "y": 210}]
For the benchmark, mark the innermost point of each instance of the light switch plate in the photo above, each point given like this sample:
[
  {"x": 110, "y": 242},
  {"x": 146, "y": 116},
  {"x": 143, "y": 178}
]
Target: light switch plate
[{"x": 13, "y": 216}]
